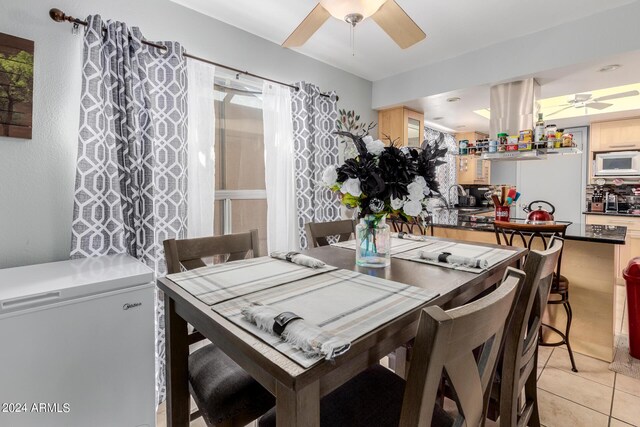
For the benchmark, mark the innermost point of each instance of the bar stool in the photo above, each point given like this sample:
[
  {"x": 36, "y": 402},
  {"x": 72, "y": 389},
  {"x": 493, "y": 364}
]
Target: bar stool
[{"x": 540, "y": 234}]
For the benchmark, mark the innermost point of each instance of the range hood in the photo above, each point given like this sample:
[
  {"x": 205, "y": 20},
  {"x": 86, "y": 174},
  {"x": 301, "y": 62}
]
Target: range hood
[{"x": 514, "y": 107}]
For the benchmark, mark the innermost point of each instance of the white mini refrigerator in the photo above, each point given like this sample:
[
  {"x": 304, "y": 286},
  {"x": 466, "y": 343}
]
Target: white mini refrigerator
[{"x": 77, "y": 344}]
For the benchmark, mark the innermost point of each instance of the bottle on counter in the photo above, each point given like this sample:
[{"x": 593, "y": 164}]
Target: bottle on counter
[{"x": 539, "y": 130}]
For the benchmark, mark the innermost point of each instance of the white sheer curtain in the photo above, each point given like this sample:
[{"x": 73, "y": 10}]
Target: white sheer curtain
[
  {"x": 201, "y": 153},
  {"x": 282, "y": 228}
]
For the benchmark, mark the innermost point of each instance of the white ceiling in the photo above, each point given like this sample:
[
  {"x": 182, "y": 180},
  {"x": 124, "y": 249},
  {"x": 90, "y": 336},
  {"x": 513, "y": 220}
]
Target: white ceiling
[
  {"x": 453, "y": 27},
  {"x": 581, "y": 78}
]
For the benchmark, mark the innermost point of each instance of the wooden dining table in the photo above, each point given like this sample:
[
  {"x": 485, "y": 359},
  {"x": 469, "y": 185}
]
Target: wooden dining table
[{"x": 298, "y": 390}]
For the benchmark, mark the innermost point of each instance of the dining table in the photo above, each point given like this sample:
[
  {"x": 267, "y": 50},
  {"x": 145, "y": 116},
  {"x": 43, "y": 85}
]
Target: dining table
[{"x": 298, "y": 389}]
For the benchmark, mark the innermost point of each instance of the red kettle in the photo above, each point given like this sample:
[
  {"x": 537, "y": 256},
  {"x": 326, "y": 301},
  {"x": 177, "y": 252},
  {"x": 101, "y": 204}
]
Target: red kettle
[{"x": 539, "y": 215}]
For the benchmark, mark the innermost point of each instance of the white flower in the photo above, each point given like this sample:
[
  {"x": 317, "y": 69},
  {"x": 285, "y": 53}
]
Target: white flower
[
  {"x": 330, "y": 176},
  {"x": 351, "y": 186},
  {"x": 374, "y": 147},
  {"x": 396, "y": 203},
  {"x": 416, "y": 192},
  {"x": 420, "y": 180},
  {"x": 412, "y": 208},
  {"x": 367, "y": 139}
]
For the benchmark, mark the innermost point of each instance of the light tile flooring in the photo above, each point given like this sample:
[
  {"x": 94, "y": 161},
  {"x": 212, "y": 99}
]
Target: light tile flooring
[{"x": 592, "y": 397}]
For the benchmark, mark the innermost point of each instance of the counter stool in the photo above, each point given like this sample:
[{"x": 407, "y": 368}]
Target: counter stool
[{"x": 509, "y": 233}]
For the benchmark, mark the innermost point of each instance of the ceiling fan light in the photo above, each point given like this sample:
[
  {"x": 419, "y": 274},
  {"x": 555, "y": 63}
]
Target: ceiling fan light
[{"x": 341, "y": 8}]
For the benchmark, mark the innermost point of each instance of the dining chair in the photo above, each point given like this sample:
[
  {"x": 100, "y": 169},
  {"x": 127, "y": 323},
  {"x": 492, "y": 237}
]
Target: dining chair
[
  {"x": 225, "y": 394},
  {"x": 516, "y": 376},
  {"x": 534, "y": 236},
  {"x": 414, "y": 226},
  {"x": 319, "y": 232},
  {"x": 444, "y": 343}
]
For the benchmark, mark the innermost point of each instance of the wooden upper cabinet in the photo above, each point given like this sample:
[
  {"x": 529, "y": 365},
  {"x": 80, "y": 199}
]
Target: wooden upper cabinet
[
  {"x": 471, "y": 169},
  {"x": 402, "y": 125},
  {"x": 617, "y": 135}
]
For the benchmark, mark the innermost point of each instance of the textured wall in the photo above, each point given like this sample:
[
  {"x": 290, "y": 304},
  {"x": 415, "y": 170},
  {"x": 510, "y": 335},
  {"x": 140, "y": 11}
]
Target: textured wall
[{"x": 37, "y": 176}]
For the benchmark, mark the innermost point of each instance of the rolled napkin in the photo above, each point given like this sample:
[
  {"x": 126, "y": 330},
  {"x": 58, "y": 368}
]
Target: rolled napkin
[
  {"x": 292, "y": 329},
  {"x": 454, "y": 259},
  {"x": 298, "y": 258}
]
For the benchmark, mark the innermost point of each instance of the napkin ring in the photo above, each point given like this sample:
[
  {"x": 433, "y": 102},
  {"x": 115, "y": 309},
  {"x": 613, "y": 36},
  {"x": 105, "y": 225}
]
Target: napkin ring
[
  {"x": 289, "y": 256},
  {"x": 443, "y": 256},
  {"x": 281, "y": 321}
]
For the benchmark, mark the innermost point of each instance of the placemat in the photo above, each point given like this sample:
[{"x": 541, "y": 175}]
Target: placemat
[
  {"x": 397, "y": 245},
  {"x": 492, "y": 255},
  {"x": 220, "y": 282},
  {"x": 342, "y": 302}
]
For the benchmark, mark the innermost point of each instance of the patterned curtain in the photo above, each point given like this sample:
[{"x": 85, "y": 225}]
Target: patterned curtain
[
  {"x": 130, "y": 192},
  {"x": 447, "y": 173},
  {"x": 314, "y": 120}
]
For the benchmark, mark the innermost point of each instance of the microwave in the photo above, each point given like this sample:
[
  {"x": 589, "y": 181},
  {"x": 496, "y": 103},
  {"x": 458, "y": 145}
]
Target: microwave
[{"x": 617, "y": 163}]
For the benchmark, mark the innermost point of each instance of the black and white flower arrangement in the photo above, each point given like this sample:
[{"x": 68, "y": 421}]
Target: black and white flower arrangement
[{"x": 385, "y": 179}]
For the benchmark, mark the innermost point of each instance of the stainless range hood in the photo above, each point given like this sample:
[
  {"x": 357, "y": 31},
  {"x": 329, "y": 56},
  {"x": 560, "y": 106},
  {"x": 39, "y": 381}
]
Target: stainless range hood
[{"x": 514, "y": 106}]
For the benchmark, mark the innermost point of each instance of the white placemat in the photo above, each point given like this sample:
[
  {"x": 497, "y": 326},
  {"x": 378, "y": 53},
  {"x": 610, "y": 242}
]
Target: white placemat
[
  {"x": 492, "y": 255},
  {"x": 341, "y": 302},
  {"x": 220, "y": 282},
  {"x": 397, "y": 245}
]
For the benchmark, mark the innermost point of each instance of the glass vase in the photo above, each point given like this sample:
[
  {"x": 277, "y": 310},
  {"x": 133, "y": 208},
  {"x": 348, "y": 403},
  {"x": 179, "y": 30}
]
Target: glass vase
[{"x": 373, "y": 242}]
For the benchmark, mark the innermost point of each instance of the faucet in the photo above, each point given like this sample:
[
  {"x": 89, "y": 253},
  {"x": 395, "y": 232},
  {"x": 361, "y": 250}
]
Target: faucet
[{"x": 461, "y": 192}]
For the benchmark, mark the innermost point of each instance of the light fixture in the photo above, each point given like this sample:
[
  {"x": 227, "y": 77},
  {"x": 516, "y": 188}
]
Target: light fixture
[
  {"x": 352, "y": 11},
  {"x": 453, "y": 99},
  {"x": 438, "y": 118},
  {"x": 611, "y": 67}
]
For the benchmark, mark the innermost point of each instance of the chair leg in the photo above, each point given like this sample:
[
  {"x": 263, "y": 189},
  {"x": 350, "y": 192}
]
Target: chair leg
[
  {"x": 531, "y": 394},
  {"x": 567, "y": 308}
]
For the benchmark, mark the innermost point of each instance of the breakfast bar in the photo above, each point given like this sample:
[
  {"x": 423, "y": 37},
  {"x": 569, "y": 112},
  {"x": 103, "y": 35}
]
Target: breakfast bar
[{"x": 588, "y": 261}]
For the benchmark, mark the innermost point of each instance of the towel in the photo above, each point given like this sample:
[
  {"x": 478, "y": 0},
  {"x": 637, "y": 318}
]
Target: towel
[
  {"x": 309, "y": 338},
  {"x": 454, "y": 259},
  {"x": 299, "y": 259}
]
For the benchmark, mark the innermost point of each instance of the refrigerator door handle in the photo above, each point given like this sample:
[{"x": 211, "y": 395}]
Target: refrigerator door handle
[{"x": 29, "y": 301}]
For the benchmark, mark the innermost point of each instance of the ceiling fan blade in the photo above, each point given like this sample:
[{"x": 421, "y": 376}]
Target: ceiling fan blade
[
  {"x": 582, "y": 97},
  {"x": 307, "y": 27},
  {"x": 398, "y": 25},
  {"x": 617, "y": 95},
  {"x": 598, "y": 105},
  {"x": 556, "y": 112}
]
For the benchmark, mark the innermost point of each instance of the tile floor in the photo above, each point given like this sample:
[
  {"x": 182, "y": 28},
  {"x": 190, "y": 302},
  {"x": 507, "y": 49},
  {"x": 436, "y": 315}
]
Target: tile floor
[{"x": 592, "y": 397}]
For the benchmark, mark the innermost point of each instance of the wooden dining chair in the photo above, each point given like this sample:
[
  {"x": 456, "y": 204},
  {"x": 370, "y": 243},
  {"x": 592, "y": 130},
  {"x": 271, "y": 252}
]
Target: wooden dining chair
[
  {"x": 534, "y": 236},
  {"x": 319, "y": 232},
  {"x": 444, "y": 343},
  {"x": 225, "y": 394},
  {"x": 517, "y": 371}
]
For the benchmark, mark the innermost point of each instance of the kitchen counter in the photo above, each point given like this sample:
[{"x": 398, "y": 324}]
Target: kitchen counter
[
  {"x": 588, "y": 261},
  {"x": 464, "y": 220},
  {"x": 613, "y": 214}
]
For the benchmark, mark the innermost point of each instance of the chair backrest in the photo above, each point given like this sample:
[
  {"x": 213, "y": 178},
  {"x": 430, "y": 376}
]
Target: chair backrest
[
  {"x": 188, "y": 254},
  {"x": 446, "y": 341},
  {"x": 415, "y": 226},
  {"x": 531, "y": 236},
  {"x": 521, "y": 337},
  {"x": 317, "y": 232}
]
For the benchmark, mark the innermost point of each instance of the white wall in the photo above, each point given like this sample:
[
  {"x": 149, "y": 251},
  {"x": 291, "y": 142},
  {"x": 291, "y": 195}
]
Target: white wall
[{"x": 37, "y": 175}]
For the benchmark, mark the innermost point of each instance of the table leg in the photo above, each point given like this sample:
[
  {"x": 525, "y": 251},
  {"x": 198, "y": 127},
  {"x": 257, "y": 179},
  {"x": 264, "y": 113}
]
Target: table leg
[
  {"x": 177, "y": 353},
  {"x": 298, "y": 408}
]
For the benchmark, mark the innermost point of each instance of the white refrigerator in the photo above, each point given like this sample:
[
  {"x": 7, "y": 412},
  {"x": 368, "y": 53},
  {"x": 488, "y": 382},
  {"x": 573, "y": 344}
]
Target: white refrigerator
[{"x": 77, "y": 344}]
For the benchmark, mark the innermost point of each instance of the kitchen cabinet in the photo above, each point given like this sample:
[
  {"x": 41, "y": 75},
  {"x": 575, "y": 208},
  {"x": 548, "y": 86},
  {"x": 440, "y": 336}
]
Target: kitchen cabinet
[
  {"x": 470, "y": 169},
  {"x": 617, "y": 135},
  {"x": 631, "y": 248},
  {"x": 402, "y": 125},
  {"x": 473, "y": 170}
]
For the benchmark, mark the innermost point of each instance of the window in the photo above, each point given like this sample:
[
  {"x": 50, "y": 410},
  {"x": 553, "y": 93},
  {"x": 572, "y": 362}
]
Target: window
[{"x": 240, "y": 198}]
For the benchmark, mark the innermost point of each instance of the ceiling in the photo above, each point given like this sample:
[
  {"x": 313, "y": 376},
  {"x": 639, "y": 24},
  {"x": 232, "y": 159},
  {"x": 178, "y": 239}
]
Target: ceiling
[
  {"x": 561, "y": 82},
  {"x": 453, "y": 27}
]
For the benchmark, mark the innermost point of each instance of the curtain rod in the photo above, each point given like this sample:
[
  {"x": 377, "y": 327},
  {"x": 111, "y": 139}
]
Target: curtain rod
[{"x": 59, "y": 16}]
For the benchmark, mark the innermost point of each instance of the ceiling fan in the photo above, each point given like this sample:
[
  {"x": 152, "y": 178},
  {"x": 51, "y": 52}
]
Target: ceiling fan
[
  {"x": 386, "y": 13},
  {"x": 583, "y": 100}
]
